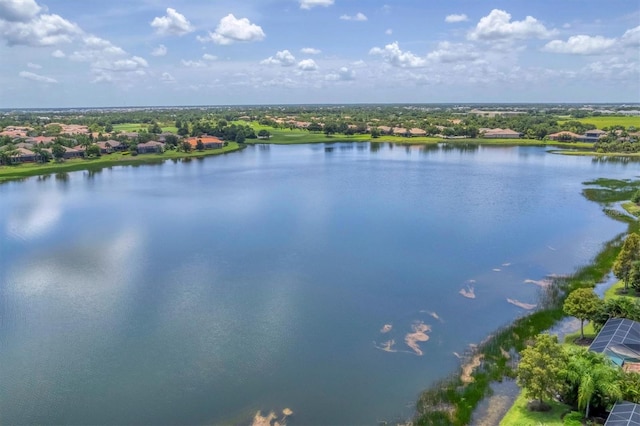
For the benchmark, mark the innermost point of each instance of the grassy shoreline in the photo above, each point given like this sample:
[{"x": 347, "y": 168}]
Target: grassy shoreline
[
  {"x": 282, "y": 137},
  {"x": 450, "y": 401},
  {"x": 25, "y": 170}
]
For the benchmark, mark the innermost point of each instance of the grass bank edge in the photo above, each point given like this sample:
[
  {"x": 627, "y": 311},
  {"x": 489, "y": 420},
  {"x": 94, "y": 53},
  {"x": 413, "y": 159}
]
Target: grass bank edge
[
  {"x": 25, "y": 170},
  {"x": 450, "y": 401}
]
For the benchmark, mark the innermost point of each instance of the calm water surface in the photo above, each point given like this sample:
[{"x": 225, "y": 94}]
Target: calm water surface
[{"x": 201, "y": 292}]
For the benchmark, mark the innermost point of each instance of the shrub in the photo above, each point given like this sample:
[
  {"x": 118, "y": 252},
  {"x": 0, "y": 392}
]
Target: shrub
[{"x": 574, "y": 418}]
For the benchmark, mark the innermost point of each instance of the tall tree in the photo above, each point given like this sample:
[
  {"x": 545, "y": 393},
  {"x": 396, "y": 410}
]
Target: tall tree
[
  {"x": 634, "y": 276},
  {"x": 581, "y": 303},
  {"x": 630, "y": 253},
  {"x": 593, "y": 378},
  {"x": 58, "y": 151},
  {"x": 540, "y": 367}
]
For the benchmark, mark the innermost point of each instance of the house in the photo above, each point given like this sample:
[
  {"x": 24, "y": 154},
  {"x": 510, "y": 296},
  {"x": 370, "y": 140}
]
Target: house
[
  {"x": 162, "y": 137},
  {"x": 40, "y": 139},
  {"x": 68, "y": 152},
  {"x": 15, "y": 131},
  {"x": 400, "y": 131},
  {"x": 624, "y": 413},
  {"x": 417, "y": 132},
  {"x": 564, "y": 136},
  {"x": 500, "y": 133},
  {"x": 107, "y": 147},
  {"x": 130, "y": 135},
  {"x": 593, "y": 135},
  {"x": 151, "y": 146},
  {"x": 23, "y": 155},
  {"x": 209, "y": 142},
  {"x": 619, "y": 340},
  {"x": 24, "y": 145}
]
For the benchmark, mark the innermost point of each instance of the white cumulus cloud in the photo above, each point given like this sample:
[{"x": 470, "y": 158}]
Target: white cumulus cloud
[
  {"x": 283, "y": 58},
  {"x": 209, "y": 57},
  {"x": 34, "y": 66},
  {"x": 231, "y": 30},
  {"x": 58, "y": 53},
  {"x": 389, "y": 31},
  {"x": 310, "y": 51},
  {"x": 343, "y": 74},
  {"x": 308, "y": 4},
  {"x": 451, "y": 19},
  {"x": 453, "y": 52},
  {"x": 135, "y": 63},
  {"x": 307, "y": 65},
  {"x": 37, "y": 77},
  {"x": 193, "y": 64},
  {"x": 167, "y": 78},
  {"x": 42, "y": 30},
  {"x": 18, "y": 10},
  {"x": 499, "y": 26},
  {"x": 631, "y": 37},
  {"x": 580, "y": 45},
  {"x": 393, "y": 55},
  {"x": 357, "y": 17},
  {"x": 174, "y": 23},
  {"x": 161, "y": 50}
]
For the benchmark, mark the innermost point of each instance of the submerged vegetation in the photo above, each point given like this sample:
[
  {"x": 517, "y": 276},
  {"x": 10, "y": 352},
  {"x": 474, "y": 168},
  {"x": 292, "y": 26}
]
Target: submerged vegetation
[{"x": 451, "y": 401}]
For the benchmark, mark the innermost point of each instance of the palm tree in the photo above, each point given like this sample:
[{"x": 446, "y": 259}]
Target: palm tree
[
  {"x": 594, "y": 377},
  {"x": 7, "y": 154}
]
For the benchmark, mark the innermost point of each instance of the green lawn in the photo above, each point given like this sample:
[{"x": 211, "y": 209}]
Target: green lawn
[
  {"x": 130, "y": 127},
  {"x": 297, "y": 136},
  {"x": 608, "y": 121},
  {"x": 21, "y": 171},
  {"x": 519, "y": 415}
]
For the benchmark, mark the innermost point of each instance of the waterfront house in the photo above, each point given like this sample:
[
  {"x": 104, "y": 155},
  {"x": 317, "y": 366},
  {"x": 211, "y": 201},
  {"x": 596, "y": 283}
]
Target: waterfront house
[
  {"x": 150, "y": 147},
  {"x": 624, "y": 413},
  {"x": 500, "y": 133},
  {"x": 593, "y": 135},
  {"x": 107, "y": 147},
  {"x": 209, "y": 142},
  {"x": 564, "y": 136},
  {"x": 400, "y": 131},
  {"x": 69, "y": 152},
  {"x": 619, "y": 340},
  {"x": 23, "y": 155},
  {"x": 417, "y": 132}
]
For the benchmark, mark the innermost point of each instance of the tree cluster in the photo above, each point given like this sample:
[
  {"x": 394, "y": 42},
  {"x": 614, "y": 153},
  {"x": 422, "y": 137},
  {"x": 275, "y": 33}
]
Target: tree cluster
[{"x": 574, "y": 375}]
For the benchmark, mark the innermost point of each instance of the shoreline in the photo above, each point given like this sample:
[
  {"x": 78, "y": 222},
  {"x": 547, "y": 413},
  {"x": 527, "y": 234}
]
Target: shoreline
[
  {"x": 450, "y": 401},
  {"x": 26, "y": 170}
]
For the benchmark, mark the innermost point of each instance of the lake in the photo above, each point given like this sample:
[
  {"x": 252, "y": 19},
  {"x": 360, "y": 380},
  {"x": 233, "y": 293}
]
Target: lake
[{"x": 303, "y": 277}]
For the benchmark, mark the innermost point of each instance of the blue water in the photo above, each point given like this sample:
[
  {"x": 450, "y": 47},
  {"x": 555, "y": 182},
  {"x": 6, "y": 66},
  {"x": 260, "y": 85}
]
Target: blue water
[{"x": 201, "y": 292}]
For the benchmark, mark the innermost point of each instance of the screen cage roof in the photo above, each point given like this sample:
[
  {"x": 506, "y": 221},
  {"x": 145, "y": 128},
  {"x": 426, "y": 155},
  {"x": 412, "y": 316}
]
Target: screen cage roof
[
  {"x": 624, "y": 413},
  {"x": 618, "y": 334}
]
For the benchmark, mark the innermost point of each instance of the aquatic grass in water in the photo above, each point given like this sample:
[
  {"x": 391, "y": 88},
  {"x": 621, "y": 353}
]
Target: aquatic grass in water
[{"x": 450, "y": 401}]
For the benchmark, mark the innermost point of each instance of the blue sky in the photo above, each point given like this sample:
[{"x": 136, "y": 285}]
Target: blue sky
[{"x": 66, "y": 53}]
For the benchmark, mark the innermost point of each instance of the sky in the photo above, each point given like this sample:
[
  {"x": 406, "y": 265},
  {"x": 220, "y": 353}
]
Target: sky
[{"x": 125, "y": 53}]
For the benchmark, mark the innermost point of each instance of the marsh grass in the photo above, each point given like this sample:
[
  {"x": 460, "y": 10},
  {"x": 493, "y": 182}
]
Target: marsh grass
[{"x": 451, "y": 402}]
